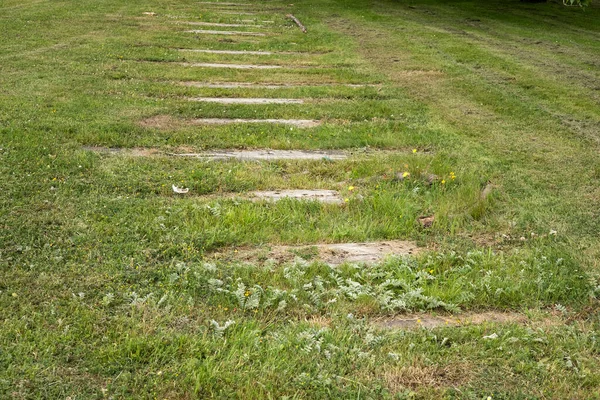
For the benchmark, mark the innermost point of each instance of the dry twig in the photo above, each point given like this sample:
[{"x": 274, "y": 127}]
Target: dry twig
[{"x": 297, "y": 22}]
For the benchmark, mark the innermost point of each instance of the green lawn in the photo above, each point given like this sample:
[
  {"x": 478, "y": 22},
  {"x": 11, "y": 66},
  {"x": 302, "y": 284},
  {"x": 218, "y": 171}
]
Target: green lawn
[{"x": 113, "y": 286}]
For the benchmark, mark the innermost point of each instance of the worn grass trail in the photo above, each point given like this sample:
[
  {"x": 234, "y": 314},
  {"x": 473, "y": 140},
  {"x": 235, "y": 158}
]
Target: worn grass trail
[{"x": 469, "y": 135}]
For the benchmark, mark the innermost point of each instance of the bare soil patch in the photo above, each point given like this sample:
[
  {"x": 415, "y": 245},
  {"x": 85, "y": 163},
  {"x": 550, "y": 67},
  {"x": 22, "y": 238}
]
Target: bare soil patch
[
  {"x": 158, "y": 121},
  {"x": 420, "y": 72}
]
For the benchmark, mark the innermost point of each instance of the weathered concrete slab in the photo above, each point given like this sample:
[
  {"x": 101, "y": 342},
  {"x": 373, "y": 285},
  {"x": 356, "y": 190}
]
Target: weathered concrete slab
[
  {"x": 368, "y": 252},
  {"x": 231, "y": 85},
  {"x": 323, "y": 196},
  {"x": 237, "y": 100},
  {"x": 299, "y": 123},
  {"x": 232, "y": 52},
  {"x": 266, "y": 155},
  {"x": 240, "y": 85},
  {"x": 240, "y": 155},
  {"x": 132, "y": 152},
  {"x": 235, "y": 33},
  {"x": 168, "y": 122},
  {"x": 429, "y": 321},
  {"x": 332, "y": 254},
  {"x": 222, "y": 3},
  {"x": 264, "y": 22},
  {"x": 234, "y": 12},
  {"x": 233, "y": 66},
  {"x": 218, "y": 24}
]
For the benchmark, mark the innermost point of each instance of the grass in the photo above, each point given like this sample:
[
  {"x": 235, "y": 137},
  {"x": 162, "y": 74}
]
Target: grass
[{"x": 110, "y": 286}]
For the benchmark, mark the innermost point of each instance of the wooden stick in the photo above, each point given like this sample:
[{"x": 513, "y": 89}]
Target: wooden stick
[{"x": 297, "y": 22}]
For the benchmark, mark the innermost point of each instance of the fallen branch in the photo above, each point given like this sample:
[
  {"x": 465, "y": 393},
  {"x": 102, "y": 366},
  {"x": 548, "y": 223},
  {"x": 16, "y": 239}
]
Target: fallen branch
[{"x": 297, "y": 22}]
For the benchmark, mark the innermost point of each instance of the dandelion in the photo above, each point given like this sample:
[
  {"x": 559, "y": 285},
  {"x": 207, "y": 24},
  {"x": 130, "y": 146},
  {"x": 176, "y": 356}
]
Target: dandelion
[
  {"x": 351, "y": 188},
  {"x": 414, "y": 151},
  {"x": 443, "y": 181},
  {"x": 406, "y": 174},
  {"x": 346, "y": 200}
]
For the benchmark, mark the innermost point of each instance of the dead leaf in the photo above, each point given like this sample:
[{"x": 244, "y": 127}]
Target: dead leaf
[
  {"x": 430, "y": 179},
  {"x": 487, "y": 190},
  {"x": 426, "y": 222},
  {"x": 180, "y": 190}
]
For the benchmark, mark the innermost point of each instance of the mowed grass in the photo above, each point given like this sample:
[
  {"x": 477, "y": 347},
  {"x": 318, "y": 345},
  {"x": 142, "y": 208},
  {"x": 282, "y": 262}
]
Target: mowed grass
[{"x": 483, "y": 115}]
